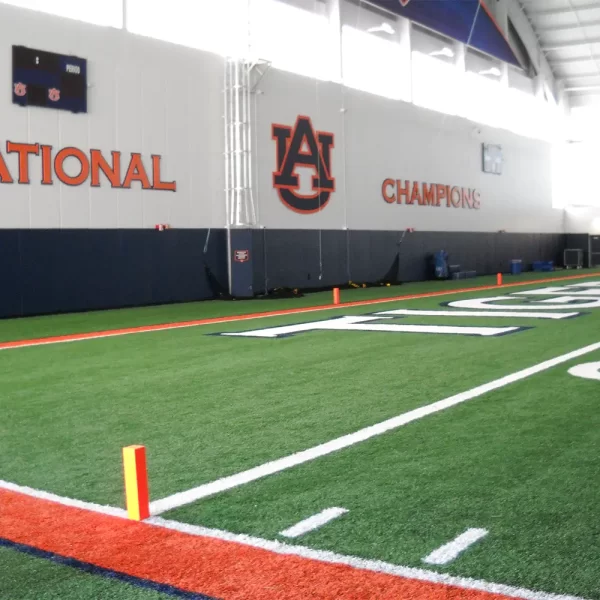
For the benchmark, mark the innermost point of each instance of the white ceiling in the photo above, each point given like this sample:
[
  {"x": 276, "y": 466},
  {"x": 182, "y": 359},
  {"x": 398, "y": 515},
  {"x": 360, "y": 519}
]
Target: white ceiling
[{"x": 569, "y": 35}]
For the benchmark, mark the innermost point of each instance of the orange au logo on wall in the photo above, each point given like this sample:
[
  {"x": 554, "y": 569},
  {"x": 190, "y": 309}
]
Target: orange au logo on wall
[
  {"x": 398, "y": 191},
  {"x": 302, "y": 146},
  {"x": 93, "y": 166}
]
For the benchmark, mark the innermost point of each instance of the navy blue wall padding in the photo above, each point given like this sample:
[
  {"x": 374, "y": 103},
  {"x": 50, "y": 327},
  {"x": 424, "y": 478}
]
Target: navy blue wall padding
[
  {"x": 49, "y": 271},
  {"x": 242, "y": 261},
  {"x": 291, "y": 258}
]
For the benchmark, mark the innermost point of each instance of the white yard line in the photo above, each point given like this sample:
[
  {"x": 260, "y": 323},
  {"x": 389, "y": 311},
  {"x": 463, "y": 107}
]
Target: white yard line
[
  {"x": 448, "y": 552},
  {"x": 360, "y": 563},
  {"x": 232, "y": 481},
  {"x": 314, "y": 522},
  {"x": 301, "y": 551}
]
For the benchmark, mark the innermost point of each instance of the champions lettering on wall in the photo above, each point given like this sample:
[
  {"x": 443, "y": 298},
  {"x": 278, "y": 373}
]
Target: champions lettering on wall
[
  {"x": 73, "y": 166},
  {"x": 399, "y": 191}
]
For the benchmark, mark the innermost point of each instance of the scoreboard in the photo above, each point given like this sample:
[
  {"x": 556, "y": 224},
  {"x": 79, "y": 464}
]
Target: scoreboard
[{"x": 49, "y": 80}]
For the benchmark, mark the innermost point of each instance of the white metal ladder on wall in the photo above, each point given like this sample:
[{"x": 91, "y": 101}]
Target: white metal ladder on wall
[{"x": 241, "y": 78}]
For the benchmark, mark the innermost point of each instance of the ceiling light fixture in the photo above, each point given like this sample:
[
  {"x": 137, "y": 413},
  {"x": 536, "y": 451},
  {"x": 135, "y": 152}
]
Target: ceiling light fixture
[
  {"x": 493, "y": 71},
  {"x": 383, "y": 28},
  {"x": 445, "y": 51}
]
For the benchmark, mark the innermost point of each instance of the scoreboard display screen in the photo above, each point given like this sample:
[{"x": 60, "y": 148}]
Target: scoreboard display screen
[{"x": 49, "y": 80}]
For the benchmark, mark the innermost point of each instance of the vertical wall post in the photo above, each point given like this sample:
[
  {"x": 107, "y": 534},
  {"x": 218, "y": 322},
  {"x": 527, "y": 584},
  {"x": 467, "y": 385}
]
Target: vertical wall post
[
  {"x": 334, "y": 14},
  {"x": 404, "y": 40}
]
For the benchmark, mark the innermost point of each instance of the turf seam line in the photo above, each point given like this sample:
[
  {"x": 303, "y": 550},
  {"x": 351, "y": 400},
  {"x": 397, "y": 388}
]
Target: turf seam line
[
  {"x": 449, "y": 552},
  {"x": 292, "y": 460},
  {"x": 79, "y": 337},
  {"x": 326, "y": 556},
  {"x": 91, "y": 569},
  {"x": 315, "y": 522}
]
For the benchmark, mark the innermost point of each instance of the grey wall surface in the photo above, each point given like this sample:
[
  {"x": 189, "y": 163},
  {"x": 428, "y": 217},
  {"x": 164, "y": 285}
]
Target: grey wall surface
[
  {"x": 78, "y": 247},
  {"x": 377, "y": 138},
  {"x": 157, "y": 98},
  {"x": 145, "y": 96}
]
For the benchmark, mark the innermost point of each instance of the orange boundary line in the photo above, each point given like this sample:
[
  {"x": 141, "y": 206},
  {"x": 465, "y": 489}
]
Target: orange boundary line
[
  {"x": 76, "y": 337},
  {"x": 204, "y": 565}
]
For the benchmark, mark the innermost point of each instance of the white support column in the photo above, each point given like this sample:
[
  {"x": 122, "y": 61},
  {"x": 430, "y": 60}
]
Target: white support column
[
  {"x": 334, "y": 14},
  {"x": 504, "y": 74},
  {"x": 404, "y": 40},
  {"x": 538, "y": 83},
  {"x": 460, "y": 56},
  {"x": 562, "y": 98},
  {"x": 502, "y": 15}
]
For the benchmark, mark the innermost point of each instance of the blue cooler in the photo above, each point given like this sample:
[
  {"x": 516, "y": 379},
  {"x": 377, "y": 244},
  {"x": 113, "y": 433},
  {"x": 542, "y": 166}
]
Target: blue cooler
[{"x": 516, "y": 267}]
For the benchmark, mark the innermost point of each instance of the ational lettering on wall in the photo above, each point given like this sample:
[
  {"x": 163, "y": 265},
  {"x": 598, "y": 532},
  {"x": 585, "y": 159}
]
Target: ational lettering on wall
[
  {"x": 75, "y": 167},
  {"x": 418, "y": 193}
]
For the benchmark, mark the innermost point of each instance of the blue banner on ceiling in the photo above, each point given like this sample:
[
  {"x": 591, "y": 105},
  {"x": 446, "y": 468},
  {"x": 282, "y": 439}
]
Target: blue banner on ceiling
[{"x": 463, "y": 20}]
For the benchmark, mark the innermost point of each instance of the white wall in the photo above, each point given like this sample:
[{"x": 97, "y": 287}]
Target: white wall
[
  {"x": 156, "y": 98},
  {"x": 377, "y": 138},
  {"x": 145, "y": 96},
  {"x": 582, "y": 220}
]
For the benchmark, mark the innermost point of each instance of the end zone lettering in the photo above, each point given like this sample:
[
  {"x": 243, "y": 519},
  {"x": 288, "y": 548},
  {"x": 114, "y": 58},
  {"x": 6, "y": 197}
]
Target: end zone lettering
[
  {"x": 404, "y": 191},
  {"x": 75, "y": 167}
]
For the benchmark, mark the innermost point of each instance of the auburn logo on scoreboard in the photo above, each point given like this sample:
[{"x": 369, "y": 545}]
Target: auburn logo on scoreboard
[
  {"x": 73, "y": 166},
  {"x": 302, "y": 146}
]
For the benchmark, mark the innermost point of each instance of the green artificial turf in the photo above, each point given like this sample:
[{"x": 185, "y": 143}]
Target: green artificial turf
[
  {"x": 520, "y": 461},
  {"x": 24, "y": 577},
  {"x": 50, "y": 325}
]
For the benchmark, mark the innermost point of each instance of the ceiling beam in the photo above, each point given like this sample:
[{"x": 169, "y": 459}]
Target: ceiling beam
[
  {"x": 572, "y": 44},
  {"x": 578, "y": 59},
  {"x": 572, "y": 27},
  {"x": 562, "y": 11},
  {"x": 582, "y": 76},
  {"x": 595, "y": 89}
]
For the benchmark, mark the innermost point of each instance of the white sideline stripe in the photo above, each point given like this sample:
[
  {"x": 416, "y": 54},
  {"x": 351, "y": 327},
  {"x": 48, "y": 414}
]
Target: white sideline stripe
[
  {"x": 450, "y": 551},
  {"x": 302, "y": 551},
  {"x": 314, "y": 522},
  {"x": 232, "y": 481},
  {"x": 99, "y": 508},
  {"x": 476, "y": 313},
  {"x": 359, "y": 563}
]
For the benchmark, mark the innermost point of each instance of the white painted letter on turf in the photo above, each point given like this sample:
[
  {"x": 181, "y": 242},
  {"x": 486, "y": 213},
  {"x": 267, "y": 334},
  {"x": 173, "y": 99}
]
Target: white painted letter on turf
[
  {"x": 314, "y": 522},
  {"x": 450, "y": 551},
  {"x": 557, "y": 303},
  {"x": 479, "y": 313},
  {"x": 561, "y": 291},
  {"x": 365, "y": 324},
  {"x": 587, "y": 371}
]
